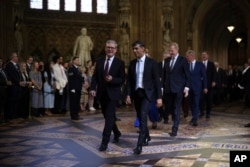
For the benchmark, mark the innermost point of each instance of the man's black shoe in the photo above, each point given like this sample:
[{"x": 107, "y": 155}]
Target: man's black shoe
[
  {"x": 103, "y": 147},
  {"x": 138, "y": 150},
  {"x": 193, "y": 123},
  {"x": 247, "y": 125},
  {"x": 147, "y": 139},
  {"x": 172, "y": 134},
  {"x": 116, "y": 138}
]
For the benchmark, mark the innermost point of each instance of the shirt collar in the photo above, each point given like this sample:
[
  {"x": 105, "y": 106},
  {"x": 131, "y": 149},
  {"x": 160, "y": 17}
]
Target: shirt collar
[{"x": 142, "y": 59}]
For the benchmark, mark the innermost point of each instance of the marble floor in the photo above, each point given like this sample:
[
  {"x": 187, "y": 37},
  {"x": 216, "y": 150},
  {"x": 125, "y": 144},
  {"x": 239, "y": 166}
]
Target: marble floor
[{"x": 56, "y": 141}]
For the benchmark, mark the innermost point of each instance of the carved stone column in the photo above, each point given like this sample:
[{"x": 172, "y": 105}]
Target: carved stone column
[
  {"x": 124, "y": 25},
  {"x": 167, "y": 22},
  {"x": 17, "y": 18}
]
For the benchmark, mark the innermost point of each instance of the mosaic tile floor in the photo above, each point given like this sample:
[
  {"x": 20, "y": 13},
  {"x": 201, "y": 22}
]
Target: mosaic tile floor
[{"x": 56, "y": 141}]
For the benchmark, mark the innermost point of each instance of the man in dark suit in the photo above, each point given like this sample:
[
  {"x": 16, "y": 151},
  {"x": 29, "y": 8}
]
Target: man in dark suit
[
  {"x": 163, "y": 113},
  {"x": 106, "y": 82},
  {"x": 4, "y": 83},
  {"x": 198, "y": 82},
  {"x": 206, "y": 99},
  {"x": 75, "y": 86},
  {"x": 176, "y": 82},
  {"x": 29, "y": 64},
  {"x": 13, "y": 72},
  {"x": 143, "y": 82},
  {"x": 219, "y": 89}
]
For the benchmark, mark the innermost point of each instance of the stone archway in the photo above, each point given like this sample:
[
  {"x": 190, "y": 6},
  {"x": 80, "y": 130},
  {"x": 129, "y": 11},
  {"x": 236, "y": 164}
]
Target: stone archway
[{"x": 209, "y": 20}]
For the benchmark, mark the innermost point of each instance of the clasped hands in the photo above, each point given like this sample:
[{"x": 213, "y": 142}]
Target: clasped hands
[{"x": 108, "y": 78}]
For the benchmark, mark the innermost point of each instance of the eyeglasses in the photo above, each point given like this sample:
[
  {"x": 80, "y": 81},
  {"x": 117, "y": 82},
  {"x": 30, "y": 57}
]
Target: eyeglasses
[{"x": 110, "y": 47}]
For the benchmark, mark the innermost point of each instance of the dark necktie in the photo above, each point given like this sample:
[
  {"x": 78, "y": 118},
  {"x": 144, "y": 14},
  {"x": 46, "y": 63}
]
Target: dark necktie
[
  {"x": 106, "y": 68},
  {"x": 191, "y": 67}
]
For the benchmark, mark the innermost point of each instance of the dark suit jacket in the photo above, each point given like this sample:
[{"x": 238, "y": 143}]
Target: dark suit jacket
[
  {"x": 198, "y": 78},
  {"x": 175, "y": 80},
  {"x": 2, "y": 79},
  {"x": 13, "y": 73},
  {"x": 113, "y": 88},
  {"x": 75, "y": 78},
  {"x": 211, "y": 73},
  {"x": 220, "y": 78},
  {"x": 151, "y": 79}
]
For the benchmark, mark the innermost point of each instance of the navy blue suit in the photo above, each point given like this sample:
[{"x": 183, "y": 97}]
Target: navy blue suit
[
  {"x": 198, "y": 83},
  {"x": 142, "y": 97},
  {"x": 75, "y": 83},
  {"x": 174, "y": 82},
  {"x": 108, "y": 93},
  {"x": 206, "y": 99},
  {"x": 13, "y": 73}
]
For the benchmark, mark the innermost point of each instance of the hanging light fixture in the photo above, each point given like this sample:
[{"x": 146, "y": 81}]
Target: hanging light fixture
[
  {"x": 238, "y": 39},
  {"x": 230, "y": 28}
]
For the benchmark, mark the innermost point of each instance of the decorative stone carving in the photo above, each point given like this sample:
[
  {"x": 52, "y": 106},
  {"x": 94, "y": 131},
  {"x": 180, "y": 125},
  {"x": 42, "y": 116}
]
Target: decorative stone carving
[
  {"x": 166, "y": 40},
  {"x": 124, "y": 46},
  {"x": 124, "y": 13}
]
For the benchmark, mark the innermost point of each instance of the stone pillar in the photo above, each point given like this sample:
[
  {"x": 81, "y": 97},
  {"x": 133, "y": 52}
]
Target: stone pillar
[
  {"x": 167, "y": 22},
  {"x": 124, "y": 25}
]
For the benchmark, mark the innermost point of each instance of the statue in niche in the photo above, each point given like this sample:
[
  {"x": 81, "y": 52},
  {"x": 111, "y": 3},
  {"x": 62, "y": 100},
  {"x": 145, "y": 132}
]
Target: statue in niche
[
  {"x": 19, "y": 39},
  {"x": 166, "y": 40},
  {"x": 83, "y": 47},
  {"x": 124, "y": 45}
]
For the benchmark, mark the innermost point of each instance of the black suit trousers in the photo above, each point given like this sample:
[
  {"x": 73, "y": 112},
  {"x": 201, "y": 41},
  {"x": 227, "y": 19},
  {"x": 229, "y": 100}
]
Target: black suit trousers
[
  {"x": 108, "y": 110},
  {"x": 142, "y": 108},
  {"x": 74, "y": 104}
]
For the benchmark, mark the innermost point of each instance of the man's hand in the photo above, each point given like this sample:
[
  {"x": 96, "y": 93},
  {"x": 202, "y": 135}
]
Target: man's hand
[
  {"x": 128, "y": 100},
  {"x": 73, "y": 90},
  {"x": 185, "y": 92},
  {"x": 108, "y": 78},
  {"x": 158, "y": 103},
  {"x": 92, "y": 93}
]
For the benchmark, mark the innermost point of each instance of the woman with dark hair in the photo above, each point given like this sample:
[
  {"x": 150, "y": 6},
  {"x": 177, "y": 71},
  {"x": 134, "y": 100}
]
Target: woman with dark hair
[{"x": 49, "y": 88}]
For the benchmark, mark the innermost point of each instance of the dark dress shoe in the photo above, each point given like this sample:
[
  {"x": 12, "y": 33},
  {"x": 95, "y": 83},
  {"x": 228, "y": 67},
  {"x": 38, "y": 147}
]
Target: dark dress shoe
[
  {"x": 172, "y": 134},
  {"x": 147, "y": 139},
  {"x": 116, "y": 138},
  {"x": 154, "y": 125},
  {"x": 247, "y": 125},
  {"x": 165, "y": 122},
  {"x": 201, "y": 115},
  {"x": 103, "y": 147},
  {"x": 138, "y": 150},
  {"x": 193, "y": 123}
]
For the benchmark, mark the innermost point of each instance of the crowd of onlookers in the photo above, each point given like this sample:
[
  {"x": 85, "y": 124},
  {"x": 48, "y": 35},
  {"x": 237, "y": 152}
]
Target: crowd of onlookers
[
  {"x": 33, "y": 88},
  {"x": 29, "y": 88}
]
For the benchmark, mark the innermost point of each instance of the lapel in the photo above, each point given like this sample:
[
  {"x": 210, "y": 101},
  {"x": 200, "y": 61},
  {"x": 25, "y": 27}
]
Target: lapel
[
  {"x": 145, "y": 70},
  {"x": 112, "y": 65},
  {"x": 133, "y": 66}
]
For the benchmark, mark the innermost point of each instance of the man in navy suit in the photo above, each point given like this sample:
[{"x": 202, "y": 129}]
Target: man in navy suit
[
  {"x": 143, "y": 82},
  {"x": 75, "y": 86},
  {"x": 163, "y": 113},
  {"x": 206, "y": 99},
  {"x": 13, "y": 72},
  {"x": 176, "y": 82},
  {"x": 198, "y": 83},
  {"x": 108, "y": 77}
]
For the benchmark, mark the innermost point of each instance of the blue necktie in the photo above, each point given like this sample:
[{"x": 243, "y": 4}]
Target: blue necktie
[
  {"x": 191, "y": 66},
  {"x": 172, "y": 63},
  {"x": 138, "y": 73}
]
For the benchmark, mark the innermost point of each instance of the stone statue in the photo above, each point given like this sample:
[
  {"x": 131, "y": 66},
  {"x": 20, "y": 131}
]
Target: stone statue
[
  {"x": 19, "y": 39},
  {"x": 83, "y": 46},
  {"x": 166, "y": 40},
  {"x": 124, "y": 45}
]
